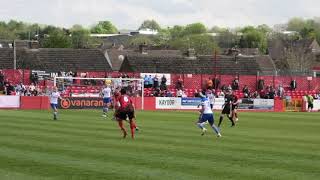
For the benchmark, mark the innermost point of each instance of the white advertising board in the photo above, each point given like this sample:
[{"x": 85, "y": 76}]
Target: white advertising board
[
  {"x": 9, "y": 101},
  {"x": 168, "y": 103}
]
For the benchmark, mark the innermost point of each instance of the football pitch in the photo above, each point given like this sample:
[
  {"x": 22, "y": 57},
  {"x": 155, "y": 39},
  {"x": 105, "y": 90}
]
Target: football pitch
[{"x": 83, "y": 145}]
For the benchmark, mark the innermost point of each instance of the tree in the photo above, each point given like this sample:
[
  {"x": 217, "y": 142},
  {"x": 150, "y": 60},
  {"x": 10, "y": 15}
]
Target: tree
[
  {"x": 202, "y": 43},
  {"x": 57, "y": 39},
  {"x": 299, "y": 59},
  {"x": 217, "y": 29},
  {"x": 150, "y": 24},
  {"x": 176, "y": 31},
  {"x": 104, "y": 27},
  {"x": 7, "y": 34},
  {"x": 138, "y": 40},
  {"x": 296, "y": 24},
  {"x": 195, "y": 28},
  {"x": 80, "y": 37},
  {"x": 162, "y": 38},
  {"x": 253, "y": 38}
]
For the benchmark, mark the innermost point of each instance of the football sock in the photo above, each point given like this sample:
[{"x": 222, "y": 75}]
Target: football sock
[
  {"x": 133, "y": 128},
  {"x": 236, "y": 115},
  {"x": 230, "y": 118},
  {"x": 120, "y": 123},
  {"x": 220, "y": 121},
  {"x": 201, "y": 125},
  {"x": 214, "y": 127},
  {"x": 55, "y": 115},
  {"x": 105, "y": 110}
]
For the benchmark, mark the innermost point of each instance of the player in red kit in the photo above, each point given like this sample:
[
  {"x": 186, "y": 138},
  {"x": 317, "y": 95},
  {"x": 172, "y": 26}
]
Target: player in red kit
[
  {"x": 235, "y": 103},
  {"x": 126, "y": 110},
  {"x": 116, "y": 97}
]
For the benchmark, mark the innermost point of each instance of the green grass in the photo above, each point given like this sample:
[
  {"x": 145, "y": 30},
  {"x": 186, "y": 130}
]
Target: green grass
[{"x": 81, "y": 145}]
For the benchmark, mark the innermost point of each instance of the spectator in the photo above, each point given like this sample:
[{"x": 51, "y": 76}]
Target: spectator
[
  {"x": 20, "y": 89},
  {"x": 224, "y": 88},
  {"x": 209, "y": 84},
  {"x": 34, "y": 78},
  {"x": 255, "y": 95},
  {"x": 272, "y": 93},
  {"x": 1, "y": 78},
  {"x": 156, "y": 93},
  {"x": 280, "y": 91},
  {"x": 163, "y": 85},
  {"x": 263, "y": 94},
  {"x": 260, "y": 84},
  {"x": 9, "y": 89},
  {"x": 221, "y": 94},
  {"x": 229, "y": 88},
  {"x": 216, "y": 83},
  {"x": 179, "y": 93},
  {"x": 150, "y": 79},
  {"x": 139, "y": 89},
  {"x": 235, "y": 84},
  {"x": 32, "y": 89},
  {"x": 318, "y": 94},
  {"x": 163, "y": 93},
  {"x": 293, "y": 85},
  {"x": 155, "y": 82},
  {"x": 246, "y": 91},
  {"x": 146, "y": 81},
  {"x": 169, "y": 94},
  {"x": 179, "y": 84},
  {"x": 184, "y": 95}
]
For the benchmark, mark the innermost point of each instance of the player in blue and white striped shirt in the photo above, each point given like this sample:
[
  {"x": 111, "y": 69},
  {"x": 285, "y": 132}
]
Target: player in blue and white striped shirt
[{"x": 207, "y": 115}]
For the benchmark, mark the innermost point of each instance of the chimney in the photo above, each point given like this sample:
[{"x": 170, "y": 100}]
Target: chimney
[
  {"x": 142, "y": 48},
  {"x": 191, "y": 54}
]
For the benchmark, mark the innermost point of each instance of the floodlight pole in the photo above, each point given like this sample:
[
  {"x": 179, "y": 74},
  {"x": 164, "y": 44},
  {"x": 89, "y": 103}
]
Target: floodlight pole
[{"x": 14, "y": 55}]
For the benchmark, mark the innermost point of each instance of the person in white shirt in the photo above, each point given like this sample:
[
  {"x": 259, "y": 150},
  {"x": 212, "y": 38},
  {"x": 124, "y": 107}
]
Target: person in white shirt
[
  {"x": 106, "y": 94},
  {"x": 32, "y": 89},
  {"x": 54, "y": 96},
  {"x": 211, "y": 97},
  {"x": 179, "y": 93},
  {"x": 207, "y": 115}
]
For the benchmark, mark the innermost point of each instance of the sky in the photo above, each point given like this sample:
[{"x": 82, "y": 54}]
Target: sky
[{"x": 129, "y": 14}]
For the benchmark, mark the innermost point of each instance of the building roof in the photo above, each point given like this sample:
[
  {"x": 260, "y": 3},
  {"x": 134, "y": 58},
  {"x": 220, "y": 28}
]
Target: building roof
[
  {"x": 55, "y": 59},
  {"x": 117, "y": 56},
  {"x": 200, "y": 65}
]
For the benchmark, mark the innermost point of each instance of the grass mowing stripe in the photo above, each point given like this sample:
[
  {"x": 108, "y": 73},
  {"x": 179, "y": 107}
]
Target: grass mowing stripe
[
  {"x": 153, "y": 137},
  {"x": 156, "y": 138},
  {"x": 263, "y": 146},
  {"x": 272, "y": 163},
  {"x": 90, "y": 165}
]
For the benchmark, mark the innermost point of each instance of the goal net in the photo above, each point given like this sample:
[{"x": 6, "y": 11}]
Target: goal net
[{"x": 92, "y": 87}]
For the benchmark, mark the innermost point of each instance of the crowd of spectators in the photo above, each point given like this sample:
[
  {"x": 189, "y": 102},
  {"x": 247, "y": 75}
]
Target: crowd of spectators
[
  {"x": 8, "y": 88},
  {"x": 261, "y": 92},
  {"x": 156, "y": 84}
]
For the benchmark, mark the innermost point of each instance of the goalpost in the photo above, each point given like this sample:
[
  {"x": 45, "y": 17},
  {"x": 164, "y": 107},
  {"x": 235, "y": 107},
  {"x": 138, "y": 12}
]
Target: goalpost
[{"x": 84, "y": 86}]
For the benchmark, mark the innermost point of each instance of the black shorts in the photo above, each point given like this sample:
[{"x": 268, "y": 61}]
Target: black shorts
[
  {"x": 234, "y": 107},
  {"x": 123, "y": 115},
  {"x": 226, "y": 109},
  {"x": 310, "y": 106}
]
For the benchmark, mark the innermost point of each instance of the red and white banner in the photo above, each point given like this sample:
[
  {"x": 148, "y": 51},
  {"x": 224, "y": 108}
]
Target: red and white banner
[{"x": 9, "y": 101}]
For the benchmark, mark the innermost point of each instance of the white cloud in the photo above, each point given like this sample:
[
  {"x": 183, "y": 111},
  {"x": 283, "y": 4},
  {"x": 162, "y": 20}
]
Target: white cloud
[{"x": 130, "y": 13}]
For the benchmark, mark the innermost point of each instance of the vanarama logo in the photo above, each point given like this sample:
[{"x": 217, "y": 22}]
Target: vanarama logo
[
  {"x": 65, "y": 103},
  {"x": 81, "y": 103}
]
